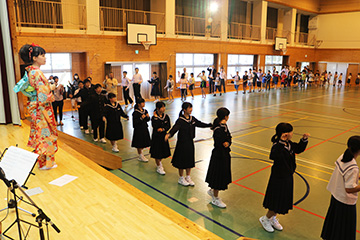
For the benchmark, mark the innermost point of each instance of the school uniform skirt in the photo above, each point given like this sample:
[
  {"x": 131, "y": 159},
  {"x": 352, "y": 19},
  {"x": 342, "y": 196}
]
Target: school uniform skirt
[
  {"x": 114, "y": 131},
  {"x": 141, "y": 137},
  {"x": 340, "y": 221},
  {"x": 219, "y": 172},
  {"x": 279, "y": 194},
  {"x": 184, "y": 155},
  {"x": 159, "y": 148}
]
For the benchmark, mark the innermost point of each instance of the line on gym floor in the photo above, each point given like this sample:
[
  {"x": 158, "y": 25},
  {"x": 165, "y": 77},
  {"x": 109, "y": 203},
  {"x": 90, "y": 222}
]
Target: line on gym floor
[
  {"x": 332, "y": 137},
  {"x": 183, "y": 204},
  {"x": 302, "y": 209}
]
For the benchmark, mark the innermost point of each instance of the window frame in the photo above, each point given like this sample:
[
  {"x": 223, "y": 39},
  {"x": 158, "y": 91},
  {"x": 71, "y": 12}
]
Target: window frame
[{"x": 193, "y": 65}]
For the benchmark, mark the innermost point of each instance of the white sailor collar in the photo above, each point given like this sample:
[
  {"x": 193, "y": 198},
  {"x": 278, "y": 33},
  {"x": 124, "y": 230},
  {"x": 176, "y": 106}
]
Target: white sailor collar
[
  {"x": 186, "y": 120},
  {"x": 142, "y": 112},
  {"x": 112, "y": 106},
  {"x": 161, "y": 118}
]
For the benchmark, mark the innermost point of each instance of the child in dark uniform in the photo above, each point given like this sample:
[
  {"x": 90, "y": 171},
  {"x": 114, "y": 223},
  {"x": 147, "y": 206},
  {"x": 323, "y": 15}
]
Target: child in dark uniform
[
  {"x": 280, "y": 190},
  {"x": 112, "y": 115},
  {"x": 141, "y": 136},
  {"x": 159, "y": 147},
  {"x": 184, "y": 155},
  {"x": 219, "y": 173}
]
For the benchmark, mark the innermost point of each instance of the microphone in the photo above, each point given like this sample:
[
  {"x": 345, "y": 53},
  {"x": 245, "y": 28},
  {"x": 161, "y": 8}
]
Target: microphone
[{"x": 2, "y": 177}]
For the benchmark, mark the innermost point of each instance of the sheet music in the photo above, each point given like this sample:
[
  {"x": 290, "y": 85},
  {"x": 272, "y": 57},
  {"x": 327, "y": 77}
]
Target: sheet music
[{"x": 17, "y": 164}]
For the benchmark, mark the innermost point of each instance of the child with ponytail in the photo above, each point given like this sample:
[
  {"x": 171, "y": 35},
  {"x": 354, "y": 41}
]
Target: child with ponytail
[
  {"x": 141, "y": 135},
  {"x": 43, "y": 133},
  {"x": 280, "y": 190},
  {"x": 340, "y": 220},
  {"x": 184, "y": 154},
  {"x": 219, "y": 172}
]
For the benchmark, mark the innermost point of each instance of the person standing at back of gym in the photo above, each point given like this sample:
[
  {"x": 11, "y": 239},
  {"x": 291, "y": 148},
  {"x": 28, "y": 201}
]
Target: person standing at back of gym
[{"x": 136, "y": 82}]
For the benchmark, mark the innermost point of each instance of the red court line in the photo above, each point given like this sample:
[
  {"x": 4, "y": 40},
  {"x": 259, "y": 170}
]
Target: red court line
[
  {"x": 252, "y": 173},
  {"x": 332, "y": 137},
  {"x": 249, "y": 188},
  {"x": 304, "y": 210}
]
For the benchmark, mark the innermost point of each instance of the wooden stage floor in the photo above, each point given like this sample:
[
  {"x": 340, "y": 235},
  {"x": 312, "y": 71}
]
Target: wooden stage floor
[{"x": 97, "y": 205}]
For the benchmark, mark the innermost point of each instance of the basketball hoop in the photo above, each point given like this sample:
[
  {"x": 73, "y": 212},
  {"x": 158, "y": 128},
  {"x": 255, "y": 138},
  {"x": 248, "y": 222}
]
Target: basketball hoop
[
  {"x": 282, "y": 49},
  {"x": 146, "y": 44}
]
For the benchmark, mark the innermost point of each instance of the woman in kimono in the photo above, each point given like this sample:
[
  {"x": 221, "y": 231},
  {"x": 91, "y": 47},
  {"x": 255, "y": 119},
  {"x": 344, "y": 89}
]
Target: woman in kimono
[{"x": 43, "y": 133}]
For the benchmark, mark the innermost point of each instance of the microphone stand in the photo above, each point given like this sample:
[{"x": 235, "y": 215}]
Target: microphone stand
[{"x": 39, "y": 219}]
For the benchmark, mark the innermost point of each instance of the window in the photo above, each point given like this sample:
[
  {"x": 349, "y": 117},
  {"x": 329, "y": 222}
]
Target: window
[
  {"x": 239, "y": 63},
  {"x": 272, "y": 61},
  {"x": 193, "y": 62},
  {"x": 58, "y": 64}
]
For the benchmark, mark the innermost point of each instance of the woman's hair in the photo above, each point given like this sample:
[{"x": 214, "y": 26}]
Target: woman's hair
[
  {"x": 111, "y": 95},
  {"x": 80, "y": 82},
  {"x": 159, "y": 105},
  {"x": 280, "y": 129},
  {"x": 138, "y": 101},
  {"x": 27, "y": 52},
  {"x": 185, "y": 106},
  {"x": 182, "y": 75},
  {"x": 56, "y": 77},
  {"x": 353, "y": 145},
  {"x": 221, "y": 113},
  {"x": 76, "y": 75},
  {"x": 97, "y": 86}
]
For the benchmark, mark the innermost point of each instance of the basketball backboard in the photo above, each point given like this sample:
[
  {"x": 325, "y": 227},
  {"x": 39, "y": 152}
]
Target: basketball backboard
[
  {"x": 280, "y": 44},
  {"x": 137, "y": 34}
]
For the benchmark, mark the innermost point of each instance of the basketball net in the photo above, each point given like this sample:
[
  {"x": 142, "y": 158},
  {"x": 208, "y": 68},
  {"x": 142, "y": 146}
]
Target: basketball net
[
  {"x": 283, "y": 50},
  {"x": 146, "y": 44}
]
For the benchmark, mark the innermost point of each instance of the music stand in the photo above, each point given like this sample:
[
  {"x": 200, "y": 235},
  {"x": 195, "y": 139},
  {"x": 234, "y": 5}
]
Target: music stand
[{"x": 18, "y": 164}]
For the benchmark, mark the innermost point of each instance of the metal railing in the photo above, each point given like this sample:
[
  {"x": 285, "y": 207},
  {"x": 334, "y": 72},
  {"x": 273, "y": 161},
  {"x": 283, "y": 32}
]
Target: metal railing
[
  {"x": 190, "y": 26},
  {"x": 115, "y": 19},
  {"x": 271, "y": 33},
  {"x": 243, "y": 31},
  {"x": 47, "y": 14},
  {"x": 301, "y": 38}
]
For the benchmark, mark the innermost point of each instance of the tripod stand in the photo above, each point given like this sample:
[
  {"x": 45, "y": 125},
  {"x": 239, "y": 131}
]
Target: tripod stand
[{"x": 39, "y": 219}]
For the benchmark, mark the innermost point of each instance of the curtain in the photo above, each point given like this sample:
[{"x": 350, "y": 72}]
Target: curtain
[{"x": 9, "y": 108}]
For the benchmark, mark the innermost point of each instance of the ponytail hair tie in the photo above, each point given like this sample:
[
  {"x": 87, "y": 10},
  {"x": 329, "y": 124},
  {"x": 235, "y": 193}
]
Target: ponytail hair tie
[{"x": 30, "y": 51}]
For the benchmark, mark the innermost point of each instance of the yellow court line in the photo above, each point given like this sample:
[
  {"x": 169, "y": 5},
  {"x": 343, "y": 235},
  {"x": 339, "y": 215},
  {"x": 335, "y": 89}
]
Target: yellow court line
[
  {"x": 313, "y": 176},
  {"x": 298, "y": 158},
  {"x": 299, "y": 164},
  {"x": 271, "y": 164},
  {"x": 333, "y": 106},
  {"x": 261, "y": 130}
]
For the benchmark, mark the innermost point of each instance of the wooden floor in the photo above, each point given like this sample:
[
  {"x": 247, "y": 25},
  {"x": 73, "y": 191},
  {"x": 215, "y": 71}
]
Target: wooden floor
[{"x": 97, "y": 205}]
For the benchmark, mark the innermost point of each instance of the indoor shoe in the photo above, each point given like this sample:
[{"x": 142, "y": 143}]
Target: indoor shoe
[
  {"x": 217, "y": 202},
  {"x": 142, "y": 158},
  {"x": 87, "y": 131},
  {"x": 188, "y": 179},
  {"x": 183, "y": 182},
  {"x": 265, "y": 222},
  {"x": 102, "y": 140},
  {"x": 115, "y": 149},
  {"x": 275, "y": 223},
  {"x": 211, "y": 193},
  {"x": 160, "y": 170}
]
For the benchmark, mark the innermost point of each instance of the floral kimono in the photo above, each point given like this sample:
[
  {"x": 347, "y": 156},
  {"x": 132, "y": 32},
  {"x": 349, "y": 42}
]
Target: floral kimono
[{"x": 43, "y": 132}]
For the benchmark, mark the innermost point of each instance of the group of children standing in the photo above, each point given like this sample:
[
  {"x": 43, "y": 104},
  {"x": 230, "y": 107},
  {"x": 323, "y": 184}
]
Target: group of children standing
[{"x": 219, "y": 173}]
